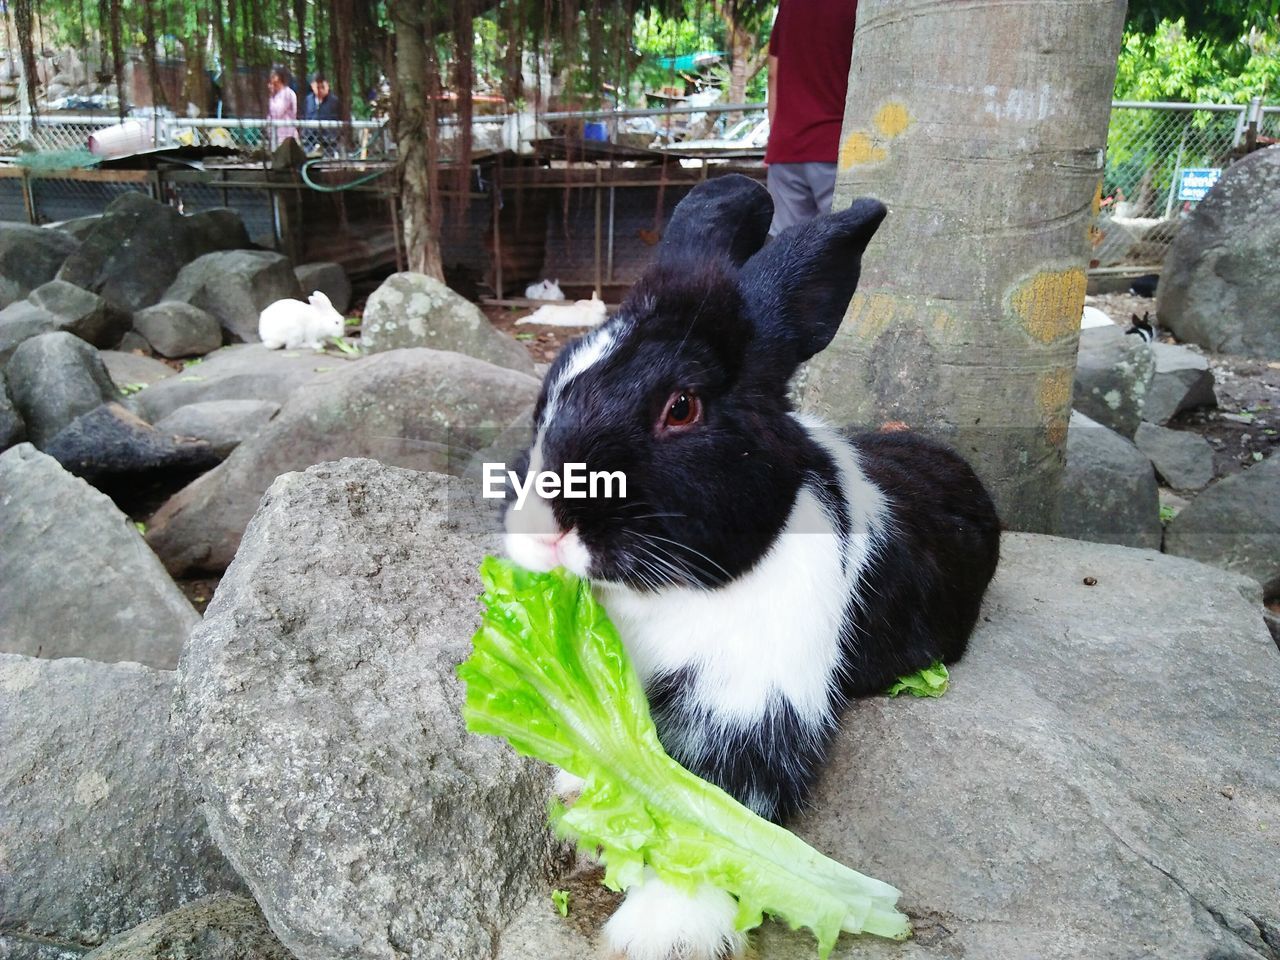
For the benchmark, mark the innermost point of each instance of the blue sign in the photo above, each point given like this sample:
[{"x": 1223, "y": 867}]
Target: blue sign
[{"x": 1198, "y": 182}]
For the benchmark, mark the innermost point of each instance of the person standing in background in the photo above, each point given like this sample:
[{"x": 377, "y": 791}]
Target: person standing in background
[
  {"x": 321, "y": 104},
  {"x": 810, "y": 49},
  {"x": 282, "y": 106}
]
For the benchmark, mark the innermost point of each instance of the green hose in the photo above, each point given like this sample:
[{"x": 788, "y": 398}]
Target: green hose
[{"x": 325, "y": 188}]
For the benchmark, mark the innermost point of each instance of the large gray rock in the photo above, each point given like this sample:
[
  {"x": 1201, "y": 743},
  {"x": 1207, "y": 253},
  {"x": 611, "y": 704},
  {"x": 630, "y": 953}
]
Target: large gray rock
[
  {"x": 223, "y": 424},
  {"x": 1108, "y": 491},
  {"x": 85, "y": 314},
  {"x": 132, "y": 253},
  {"x": 414, "y": 310},
  {"x": 29, "y": 256},
  {"x": 132, "y": 372},
  {"x": 178, "y": 329},
  {"x": 1182, "y": 381},
  {"x": 53, "y": 378},
  {"x": 329, "y": 278},
  {"x": 99, "y": 830},
  {"x": 244, "y": 371},
  {"x": 217, "y": 229},
  {"x": 423, "y": 409},
  {"x": 324, "y": 723},
  {"x": 76, "y": 578},
  {"x": 110, "y": 444},
  {"x": 1090, "y": 786},
  {"x": 12, "y": 429},
  {"x": 218, "y": 927},
  {"x": 1113, "y": 374},
  {"x": 234, "y": 286},
  {"x": 20, "y": 321},
  {"x": 1235, "y": 524},
  {"x": 1219, "y": 286},
  {"x": 1184, "y": 460}
]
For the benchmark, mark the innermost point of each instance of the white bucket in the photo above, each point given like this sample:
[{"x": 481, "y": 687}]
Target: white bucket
[{"x": 128, "y": 137}]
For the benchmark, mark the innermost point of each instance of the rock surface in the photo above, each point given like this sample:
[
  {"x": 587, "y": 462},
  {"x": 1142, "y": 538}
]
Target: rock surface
[
  {"x": 53, "y": 378},
  {"x": 176, "y": 329},
  {"x": 85, "y": 314},
  {"x": 1108, "y": 492},
  {"x": 1219, "y": 286},
  {"x": 1183, "y": 460},
  {"x": 219, "y": 228},
  {"x": 76, "y": 578},
  {"x": 131, "y": 371},
  {"x": 111, "y": 444},
  {"x": 223, "y": 424},
  {"x": 234, "y": 286},
  {"x": 414, "y": 310},
  {"x": 30, "y": 256},
  {"x": 12, "y": 429},
  {"x": 1182, "y": 381},
  {"x": 218, "y": 927},
  {"x": 423, "y": 409},
  {"x": 1113, "y": 373},
  {"x": 1088, "y": 787},
  {"x": 19, "y": 322},
  {"x": 329, "y": 278},
  {"x": 247, "y": 371},
  {"x": 1235, "y": 524},
  {"x": 324, "y": 724},
  {"x": 98, "y": 828}
]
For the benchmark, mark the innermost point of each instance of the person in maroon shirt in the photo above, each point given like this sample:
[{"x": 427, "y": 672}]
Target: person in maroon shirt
[{"x": 810, "y": 50}]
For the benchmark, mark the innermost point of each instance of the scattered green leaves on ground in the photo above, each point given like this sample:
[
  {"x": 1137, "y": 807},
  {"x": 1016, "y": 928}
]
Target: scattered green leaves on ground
[
  {"x": 1167, "y": 513},
  {"x": 932, "y": 681},
  {"x": 525, "y": 336},
  {"x": 350, "y": 349},
  {"x": 561, "y": 899},
  {"x": 549, "y": 674},
  {"x": 352, "y": 321},
  {"x": 191, "y": 379},
  {"x": 140, "y": 527},
  {"x": 129, "y": 389},
  {"x": 193, "y": 362}
]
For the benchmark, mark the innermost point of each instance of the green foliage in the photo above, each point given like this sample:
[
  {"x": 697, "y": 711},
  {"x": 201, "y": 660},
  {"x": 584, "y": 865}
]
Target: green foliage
[
  {"x": 1224, "y": 21},
  {"x": 561, "y": 899},
  {"x": 1173, "y": 63}
]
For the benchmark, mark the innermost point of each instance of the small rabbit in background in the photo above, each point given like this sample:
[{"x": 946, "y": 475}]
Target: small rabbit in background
[
  {"x": 294, "y": 324},
  {"x": 544, "y": 290},
  {"x": 763, "y": 568},
  {"x": 580, "y": 313}
]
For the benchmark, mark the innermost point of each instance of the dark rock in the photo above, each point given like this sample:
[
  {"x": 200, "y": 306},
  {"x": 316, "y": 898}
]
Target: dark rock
[
  {"x": 29, "y": 256},
  {"x": 111, "y": 443},
  {"x": 218, "y": 927},
  {"x": 132, "y": 372},
  {"x": 85, "y": 314},
  {"x": 134, "y": 342},
  {"x": 247, "y": 371},
  {"x": 176, "y": 329},
  {"x": 1108, "y": 492},
  {"x": 1235, "y": 524},
  {"x": 1113, "y": 374},
  {"x": 223, "y": 424},
  {"x": 1182, "y": 381},
  {"x": 78, "y": 227},
  {"x": 1219, "y": 286},
  {"x": 98, "y": 827},
  {"x": 330, "y": 279},
  {"x": 217, "y": 229},
  {"x": 414, "y": 310},
  {"x": 133, "y": 253},
  {"x": 1091, "y": 785},
  {"x": 1184, "y": 460},
  {"x": 12, "y": 429},
  {"x": 76, "y": 578},
  {"x": 234, "y": 286},
  {"x": 324, "y": 726},
  {"x": 21, "y": 321},
  {"x": 423, "y": 409},
  {"x": 53, "y": 378}
]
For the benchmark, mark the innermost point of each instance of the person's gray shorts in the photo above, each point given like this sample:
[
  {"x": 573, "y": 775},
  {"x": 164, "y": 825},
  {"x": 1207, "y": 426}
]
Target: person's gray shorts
[{"x": 800, "y": 192}]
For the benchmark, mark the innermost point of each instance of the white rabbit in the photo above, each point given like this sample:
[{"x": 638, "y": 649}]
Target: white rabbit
[
  {"x": 580, "y": 313},
  {"x": 293, "y": 324},
  {"x": 544, "y": 290}
]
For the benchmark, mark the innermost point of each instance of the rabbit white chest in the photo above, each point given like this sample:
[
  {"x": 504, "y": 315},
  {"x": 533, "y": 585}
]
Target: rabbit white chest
[{"x": 774, "y": 632}]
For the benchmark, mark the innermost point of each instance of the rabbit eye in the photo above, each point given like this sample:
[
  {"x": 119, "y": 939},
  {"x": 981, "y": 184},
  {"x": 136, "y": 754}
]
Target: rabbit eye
[{"x": 683, "y": 409}]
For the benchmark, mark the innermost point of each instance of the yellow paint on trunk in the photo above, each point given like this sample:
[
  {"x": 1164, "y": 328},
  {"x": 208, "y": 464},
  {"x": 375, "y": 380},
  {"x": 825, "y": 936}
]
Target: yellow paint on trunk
[
  {"x": 858, "y": 149},
  {"x": 1053, "y": 401},
  {"x": 1048, "y": 304},
  {"x": 892, "y": 119},
  {"x": 870, "y": 314}
]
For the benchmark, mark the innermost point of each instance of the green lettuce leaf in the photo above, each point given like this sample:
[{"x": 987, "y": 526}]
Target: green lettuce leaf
[
  {"x": 932, "y": 681},
  {"x": 550, "y": 675}
]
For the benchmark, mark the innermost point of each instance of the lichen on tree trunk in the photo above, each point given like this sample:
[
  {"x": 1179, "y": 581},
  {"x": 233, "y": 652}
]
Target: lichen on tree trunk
[{"x": 966, "y": 321}]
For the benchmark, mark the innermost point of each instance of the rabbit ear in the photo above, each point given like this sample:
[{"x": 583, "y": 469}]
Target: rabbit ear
[
  {"x": 798, "y": 287},
  {"x": 318, "y": 299},
  {"x": 728, "y": 215}
]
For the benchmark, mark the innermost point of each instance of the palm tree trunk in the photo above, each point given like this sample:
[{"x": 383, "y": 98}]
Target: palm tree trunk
[{"x": 966, "y": 322}]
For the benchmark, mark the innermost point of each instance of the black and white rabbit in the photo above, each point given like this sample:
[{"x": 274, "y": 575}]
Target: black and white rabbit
[{"x": 762, "y": 569}]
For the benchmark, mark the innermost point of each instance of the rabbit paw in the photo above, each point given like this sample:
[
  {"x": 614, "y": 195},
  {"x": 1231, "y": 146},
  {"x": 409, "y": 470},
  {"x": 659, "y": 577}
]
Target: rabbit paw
[{"x": 659, "y": 922}]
